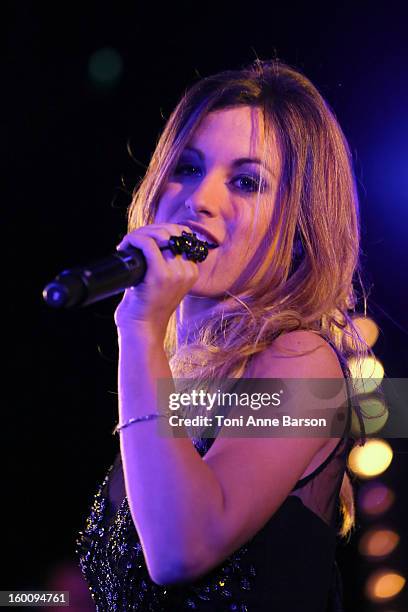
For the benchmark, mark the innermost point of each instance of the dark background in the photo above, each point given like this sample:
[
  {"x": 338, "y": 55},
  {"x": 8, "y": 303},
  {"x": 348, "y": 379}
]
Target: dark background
[{"x": 68, "y": 176}]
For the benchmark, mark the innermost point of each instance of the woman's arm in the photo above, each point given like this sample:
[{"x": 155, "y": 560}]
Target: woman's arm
[
  {"x": 175, "y": 498},
  {"x": 192, "y": 512}
]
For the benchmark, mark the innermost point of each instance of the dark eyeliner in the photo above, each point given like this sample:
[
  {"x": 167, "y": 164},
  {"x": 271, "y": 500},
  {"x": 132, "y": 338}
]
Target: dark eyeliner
[
  {"x": 258, "y": 184},
  {"x": 183, "y": 166}
]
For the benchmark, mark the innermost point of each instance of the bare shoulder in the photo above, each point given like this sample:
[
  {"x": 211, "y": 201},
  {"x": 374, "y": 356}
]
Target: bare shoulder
[
  {"x": 297, "y": 354},
  {"x": 256, "y": 475}
]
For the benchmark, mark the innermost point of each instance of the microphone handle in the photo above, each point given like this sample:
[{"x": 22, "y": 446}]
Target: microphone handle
[{"x": 81, "y": 286}]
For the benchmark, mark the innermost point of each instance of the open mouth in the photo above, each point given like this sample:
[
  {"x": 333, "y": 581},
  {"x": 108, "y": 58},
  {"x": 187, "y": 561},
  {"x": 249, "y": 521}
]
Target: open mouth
[{"x": 203, "y": 238}]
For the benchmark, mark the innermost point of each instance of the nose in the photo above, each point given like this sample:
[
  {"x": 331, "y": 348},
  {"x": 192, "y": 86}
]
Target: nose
[{"x": 206, "y": 197}]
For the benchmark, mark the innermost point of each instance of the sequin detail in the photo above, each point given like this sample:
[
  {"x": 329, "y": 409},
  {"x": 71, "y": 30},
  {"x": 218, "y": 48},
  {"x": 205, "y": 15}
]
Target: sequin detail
[{"x": 112, "y": 561}]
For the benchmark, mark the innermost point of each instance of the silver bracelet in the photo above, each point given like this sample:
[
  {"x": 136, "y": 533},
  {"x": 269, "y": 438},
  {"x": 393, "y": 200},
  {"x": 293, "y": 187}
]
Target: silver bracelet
[{"x": 146, "y": 417}]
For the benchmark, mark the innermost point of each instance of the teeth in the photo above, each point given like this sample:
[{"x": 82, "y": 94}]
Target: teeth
[{"x": 203, "y": 237}]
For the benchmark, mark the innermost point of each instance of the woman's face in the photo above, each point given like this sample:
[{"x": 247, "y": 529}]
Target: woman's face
[{"x": 215, "y": 185}]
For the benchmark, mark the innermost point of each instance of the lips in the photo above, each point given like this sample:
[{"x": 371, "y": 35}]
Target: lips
[{"x": 202, "y": 233}]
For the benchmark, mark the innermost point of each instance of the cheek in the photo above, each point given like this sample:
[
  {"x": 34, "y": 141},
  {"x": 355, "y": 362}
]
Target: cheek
[
  {"x": 242, "y": 232},
  {"x": 168, "y": 204},
  {"x": 245, "y": 237},
  {"x": 160, "y": 215}
]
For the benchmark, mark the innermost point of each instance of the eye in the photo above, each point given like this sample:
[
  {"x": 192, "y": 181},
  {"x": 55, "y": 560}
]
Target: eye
[
  {"x": 187, "y": 170},
  {"x": 249, "y": 183},
  {"x": 246, "y": 183}
]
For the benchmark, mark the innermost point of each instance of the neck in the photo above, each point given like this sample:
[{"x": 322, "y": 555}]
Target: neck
[{"x": 191, "y": 314}]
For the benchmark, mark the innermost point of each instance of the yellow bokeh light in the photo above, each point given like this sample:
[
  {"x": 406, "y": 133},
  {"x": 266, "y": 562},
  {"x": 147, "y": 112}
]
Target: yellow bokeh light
[
  {"x": 371, "y": 459},
  {"x": 367, "y": 328},
  {"x": 384, "y": 585},
  {"x": 378, "y": 542},
  {"x": 374, "y": 414},
  {"x": 367, "y": 374}
]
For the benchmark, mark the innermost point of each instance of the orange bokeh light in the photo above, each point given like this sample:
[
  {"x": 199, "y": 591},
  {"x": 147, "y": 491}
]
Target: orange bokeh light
[
  {"x": 378, "y": 542},
  {"x": 384, "y": 584}
]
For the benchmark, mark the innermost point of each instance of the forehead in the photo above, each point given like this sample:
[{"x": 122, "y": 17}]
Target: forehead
[{"x": 238, "y": 131}]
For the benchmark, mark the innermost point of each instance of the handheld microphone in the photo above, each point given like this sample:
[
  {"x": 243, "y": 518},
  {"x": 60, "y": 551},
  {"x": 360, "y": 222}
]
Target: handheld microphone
[{"x": 85, "y": 285}]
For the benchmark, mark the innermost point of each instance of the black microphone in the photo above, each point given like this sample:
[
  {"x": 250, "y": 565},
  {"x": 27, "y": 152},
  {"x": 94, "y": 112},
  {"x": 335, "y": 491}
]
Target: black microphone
[{"x": 85, "y": 285}]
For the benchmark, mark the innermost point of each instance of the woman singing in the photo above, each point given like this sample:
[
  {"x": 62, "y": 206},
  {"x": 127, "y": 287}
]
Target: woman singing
[{"x": 253, "y": 162}]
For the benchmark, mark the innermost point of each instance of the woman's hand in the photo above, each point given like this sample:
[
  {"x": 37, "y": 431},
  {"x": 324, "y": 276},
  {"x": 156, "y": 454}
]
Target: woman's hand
[{"x": 168, "y": 279}]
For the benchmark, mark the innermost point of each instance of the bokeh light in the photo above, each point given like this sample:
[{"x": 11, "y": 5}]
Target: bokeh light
[
  {"x": 371, "y": 459},
  {"x": 374, "y": 414},
  {"x": 375, "y": 498},
  {"x": 105, "y": 66},
  {"x": 378, "y": 543},
  {"x": 367, "y": 374},
  {"x": 384, "y": 584},
  {"x": 367, "y": 328}
]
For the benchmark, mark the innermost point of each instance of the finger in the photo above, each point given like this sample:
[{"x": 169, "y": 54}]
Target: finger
[
  {"x": 172, "y": 228},
  {"x": 188, "y": 267},
  {"x": 151, "y": 251},
  {"x": 182, "y": 268},
  {"x": 161, "y": 232},
  {"x": 161, "y": 237}
]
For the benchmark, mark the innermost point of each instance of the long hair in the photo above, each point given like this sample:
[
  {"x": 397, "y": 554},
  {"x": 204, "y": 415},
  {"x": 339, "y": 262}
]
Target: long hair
[{"x": 308, "y": 260}]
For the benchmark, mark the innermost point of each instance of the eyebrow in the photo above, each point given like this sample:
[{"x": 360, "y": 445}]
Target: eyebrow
[{"x": 236, "y": 163}]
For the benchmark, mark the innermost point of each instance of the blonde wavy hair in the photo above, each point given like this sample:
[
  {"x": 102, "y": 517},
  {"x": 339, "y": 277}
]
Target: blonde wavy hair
[{"x": 309, "y": 258}]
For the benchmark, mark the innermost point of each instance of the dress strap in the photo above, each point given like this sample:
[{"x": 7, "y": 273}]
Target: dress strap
[{"x": 344, "y": 440}]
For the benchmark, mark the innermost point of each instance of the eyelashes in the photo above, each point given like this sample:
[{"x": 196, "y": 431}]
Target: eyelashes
[
  {"x": 186, "y": 170},
  {"x": 248, "y": 183},
  {"x": 253, "y": 183}
]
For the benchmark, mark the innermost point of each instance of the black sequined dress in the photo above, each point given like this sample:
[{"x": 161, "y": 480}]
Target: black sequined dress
[{"x": 288, "y": 566}]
